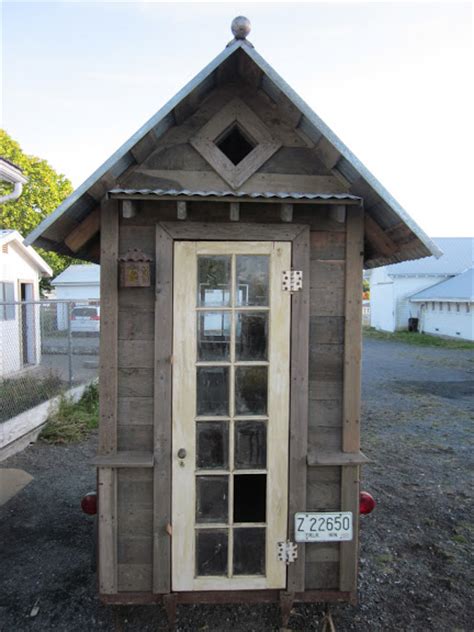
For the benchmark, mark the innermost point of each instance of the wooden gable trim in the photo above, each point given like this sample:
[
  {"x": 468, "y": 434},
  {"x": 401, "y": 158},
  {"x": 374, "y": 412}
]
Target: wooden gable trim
[{"x": 84, "y": 231}]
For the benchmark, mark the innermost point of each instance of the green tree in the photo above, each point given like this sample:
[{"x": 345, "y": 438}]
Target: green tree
[{"x": 44, "y": 191}]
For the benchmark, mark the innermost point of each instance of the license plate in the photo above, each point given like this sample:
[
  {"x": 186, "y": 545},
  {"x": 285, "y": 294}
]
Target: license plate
[{"x": 323, "y": 526}]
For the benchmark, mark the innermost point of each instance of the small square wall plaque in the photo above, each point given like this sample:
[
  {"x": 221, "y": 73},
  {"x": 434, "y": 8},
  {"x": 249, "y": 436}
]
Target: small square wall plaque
[{"x": 135, "y": 269}]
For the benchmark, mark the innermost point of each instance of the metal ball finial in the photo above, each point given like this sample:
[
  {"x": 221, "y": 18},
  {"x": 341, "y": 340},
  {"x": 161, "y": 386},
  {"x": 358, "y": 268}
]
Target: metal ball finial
[{"x": 240, "y": 27}]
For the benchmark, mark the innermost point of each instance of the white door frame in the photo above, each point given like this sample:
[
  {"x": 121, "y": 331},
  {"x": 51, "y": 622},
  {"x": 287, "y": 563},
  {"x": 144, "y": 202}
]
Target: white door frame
[{"x": 184, "y": 415}]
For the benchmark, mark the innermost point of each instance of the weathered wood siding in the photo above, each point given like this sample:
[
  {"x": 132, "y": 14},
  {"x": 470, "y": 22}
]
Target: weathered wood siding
[{"x": 299, "y": 165}]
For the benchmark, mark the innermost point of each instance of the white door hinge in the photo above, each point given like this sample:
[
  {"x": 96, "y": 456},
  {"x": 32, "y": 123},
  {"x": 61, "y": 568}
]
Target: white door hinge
[
  {"x": 292, "y": 280},
  {"x": 287, "y": 551}
]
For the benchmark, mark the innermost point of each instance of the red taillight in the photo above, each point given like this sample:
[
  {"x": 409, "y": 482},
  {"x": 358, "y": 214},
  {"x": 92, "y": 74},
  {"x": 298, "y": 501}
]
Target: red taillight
[
  {"x": 97, "y": 317},
  {"x": 73, "y": 317},
  {"x": 89, "y": 503},
  {"x": 366, "y": 503}
]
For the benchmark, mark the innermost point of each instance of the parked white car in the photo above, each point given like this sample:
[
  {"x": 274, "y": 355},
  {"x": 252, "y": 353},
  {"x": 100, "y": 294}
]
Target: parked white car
[{"x": 85, "y": 319}]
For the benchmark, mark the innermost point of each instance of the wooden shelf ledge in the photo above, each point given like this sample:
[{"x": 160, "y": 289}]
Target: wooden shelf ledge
[
  {"x": 124, "y": 459},
  {"x": 317, "y": 458}
]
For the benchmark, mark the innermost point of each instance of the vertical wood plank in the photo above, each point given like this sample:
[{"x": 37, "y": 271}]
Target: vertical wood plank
[
  {"x": 234, "y": 211},
  {"x": 286, "y": 212},
  {"x": 162, "y": 412},
  {"x": 107, "y": 532},
  {"x": 349, "y": 550},
  {"x": 299, "y": 402},
  {"x": 109, "y": 239},
  {"x": 182, "y": 210},
  {"x": 353, "y": 329}
]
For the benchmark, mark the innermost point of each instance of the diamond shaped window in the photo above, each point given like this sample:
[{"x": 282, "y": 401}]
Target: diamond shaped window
[{"x": 235, "y": 142}]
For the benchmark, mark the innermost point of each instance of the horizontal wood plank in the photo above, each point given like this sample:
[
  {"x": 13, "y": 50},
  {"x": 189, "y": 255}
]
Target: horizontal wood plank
[
  {"x": 141, "y": 237},
  {"x": 325, "y": 412},
  {"x": 325, "y": 390},
  {"x": 326, "y": 362},
  {"x": 328, "y": 245},
  {"x": 135, "y": 437},
  {"x": 125, "y": 459},
  {"x": 135, "y": 354},
  {"x": 325, "y": 438},
  {"x": 324, "y": 457},
  {"x": 135, "y": 410},
  {"x": 327, "y": 301},
  {"x": 135, "y": 382},
  {"x": 327, "y": 273},
  {"x": 326, "y": 330},
  {"x": 133, "y": 325},
  {"x": 322, "y": 575},
  {"x": 134, "y": 577},
  {"x": 134, "y": 550}
]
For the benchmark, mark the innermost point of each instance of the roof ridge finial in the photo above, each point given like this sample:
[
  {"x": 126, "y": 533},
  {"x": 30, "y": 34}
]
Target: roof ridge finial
[{"x": 240, "y": 28}]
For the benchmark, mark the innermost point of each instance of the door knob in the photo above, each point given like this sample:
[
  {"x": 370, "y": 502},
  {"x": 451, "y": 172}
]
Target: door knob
[{"x": 181, "y": 453}]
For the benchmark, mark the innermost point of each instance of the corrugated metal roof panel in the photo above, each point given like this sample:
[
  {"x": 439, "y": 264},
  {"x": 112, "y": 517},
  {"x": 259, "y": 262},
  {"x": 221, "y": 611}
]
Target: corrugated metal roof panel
[
  {"x": 458, "y": 287},
  {"x": 282, "y": 195}
]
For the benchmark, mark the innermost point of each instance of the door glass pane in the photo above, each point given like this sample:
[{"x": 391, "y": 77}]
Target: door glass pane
[
  {"x": 250, "y": 444},
  {"x": 213, "y": 335},
  {"x": 252, "y": 280},
  {"x": 250, "y": 495},
  {"x": 211, "y": 498},
  {"x": 211, "y": 552},
  {"x": 249, "y": 551},
  {"x": 251, "y": 336},
  {"x": 213, "y": 281},
  {"x": 251, "y": 390},
  {"x": 212, "y": 390},
  {"x": 212, "y": 441}
]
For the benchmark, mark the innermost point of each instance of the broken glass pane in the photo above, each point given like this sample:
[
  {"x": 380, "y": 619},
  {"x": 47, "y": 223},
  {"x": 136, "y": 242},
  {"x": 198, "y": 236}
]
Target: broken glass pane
[{"x": 250, "y": 494}]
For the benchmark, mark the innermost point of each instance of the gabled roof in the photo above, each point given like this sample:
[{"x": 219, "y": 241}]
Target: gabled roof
[
  {"x": 8, "y": 236},
  {"x": 410, "y": 241},
  {"x": 460, "y": 288},
  {"x": 458, "y": 254},
  {"x": 79, "y": 274}
]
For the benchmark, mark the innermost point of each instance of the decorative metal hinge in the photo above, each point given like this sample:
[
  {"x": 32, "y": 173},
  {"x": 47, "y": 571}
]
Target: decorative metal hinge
[
  {"x": 287, "y": 551},
  {"x": 292, "y": 280}
]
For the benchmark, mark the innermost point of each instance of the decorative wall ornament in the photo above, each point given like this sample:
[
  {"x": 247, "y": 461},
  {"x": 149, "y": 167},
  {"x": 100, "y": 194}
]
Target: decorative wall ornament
[
  {"x": 135, "y": 269},
  {"x": 235, "y": 142}
]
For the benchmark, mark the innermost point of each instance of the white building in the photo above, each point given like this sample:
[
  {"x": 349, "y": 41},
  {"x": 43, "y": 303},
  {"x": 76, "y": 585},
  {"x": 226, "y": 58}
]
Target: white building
[
  {"x": 20, "y": 270},
  {"x": 391, "y": 287},
  {"x": 447, "y": 308},
  {"x": 79, "y": 284}
]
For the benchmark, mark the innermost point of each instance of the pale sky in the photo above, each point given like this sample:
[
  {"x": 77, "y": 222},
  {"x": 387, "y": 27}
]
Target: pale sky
[{"x": 393, "y": 81}]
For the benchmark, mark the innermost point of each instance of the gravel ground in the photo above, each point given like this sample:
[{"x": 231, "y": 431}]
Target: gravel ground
[{"x": 415, "y": 573}]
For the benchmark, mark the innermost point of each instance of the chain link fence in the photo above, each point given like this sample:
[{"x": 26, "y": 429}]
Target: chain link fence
[{"x": 46, "y": 347}]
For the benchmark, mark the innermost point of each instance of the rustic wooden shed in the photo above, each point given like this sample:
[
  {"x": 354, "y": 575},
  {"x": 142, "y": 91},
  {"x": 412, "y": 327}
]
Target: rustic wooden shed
[{"x": 231, "y": 230}]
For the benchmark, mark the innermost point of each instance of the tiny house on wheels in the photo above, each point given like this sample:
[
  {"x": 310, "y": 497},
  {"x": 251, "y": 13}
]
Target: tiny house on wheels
[{"x": 231, "y": 231}]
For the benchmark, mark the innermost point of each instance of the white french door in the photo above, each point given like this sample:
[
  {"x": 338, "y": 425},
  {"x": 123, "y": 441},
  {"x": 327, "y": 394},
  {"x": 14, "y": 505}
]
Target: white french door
[{"x": 230, "y": 415}]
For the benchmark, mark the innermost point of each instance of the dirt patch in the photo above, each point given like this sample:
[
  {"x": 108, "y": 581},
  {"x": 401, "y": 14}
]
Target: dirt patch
[{"x": 415, "y": 571}]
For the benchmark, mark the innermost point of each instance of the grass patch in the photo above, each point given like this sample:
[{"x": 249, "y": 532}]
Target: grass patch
[
  {"x": 73, "y": 421},
  {"x": 22, "y": 393},
  {"x": 417, "y": 339}
]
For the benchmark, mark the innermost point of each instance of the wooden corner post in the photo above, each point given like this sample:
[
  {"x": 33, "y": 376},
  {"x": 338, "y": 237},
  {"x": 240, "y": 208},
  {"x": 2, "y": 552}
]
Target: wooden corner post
[
  {"x": 299, "y": 395},
  {"x": 352, "y": 390},
  {"x": 107, "y": 483},
  {"x": 162, "y": 412}
]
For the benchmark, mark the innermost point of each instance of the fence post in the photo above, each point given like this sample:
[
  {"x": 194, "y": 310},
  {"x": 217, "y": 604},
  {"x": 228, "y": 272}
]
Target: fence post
[{"x": 69, "y": 342}]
